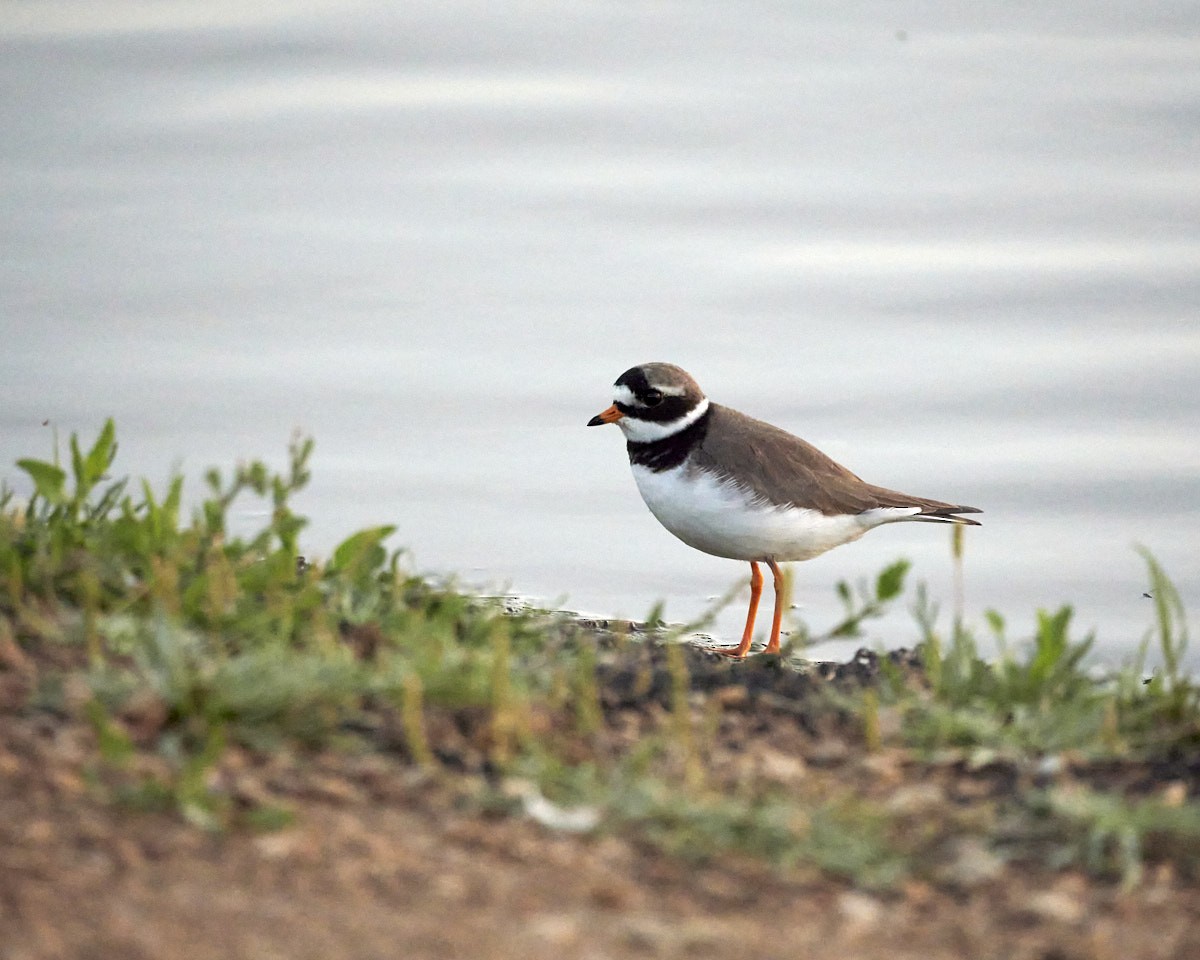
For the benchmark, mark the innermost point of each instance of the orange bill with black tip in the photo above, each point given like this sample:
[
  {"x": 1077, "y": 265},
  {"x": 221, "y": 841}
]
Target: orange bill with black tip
[{"x": 611, "y": 415}]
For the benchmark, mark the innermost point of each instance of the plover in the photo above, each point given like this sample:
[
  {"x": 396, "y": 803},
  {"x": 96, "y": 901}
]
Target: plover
[{"x": 736, "y": 487}]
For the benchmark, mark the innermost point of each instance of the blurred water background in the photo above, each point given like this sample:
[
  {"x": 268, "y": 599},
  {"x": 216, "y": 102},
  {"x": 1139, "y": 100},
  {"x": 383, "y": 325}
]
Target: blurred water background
[{"x": 957, "y": 246}]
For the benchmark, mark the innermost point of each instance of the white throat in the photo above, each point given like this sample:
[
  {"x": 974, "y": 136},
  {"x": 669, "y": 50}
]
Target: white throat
[{"x": 647, "y": 431}]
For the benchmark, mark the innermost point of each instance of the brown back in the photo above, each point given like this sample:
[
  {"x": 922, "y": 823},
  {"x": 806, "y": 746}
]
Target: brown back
[{"x": 787, "y": 470}]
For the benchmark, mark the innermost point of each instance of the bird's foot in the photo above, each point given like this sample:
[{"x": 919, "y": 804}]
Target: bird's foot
[{"x": 733, "y": 653}]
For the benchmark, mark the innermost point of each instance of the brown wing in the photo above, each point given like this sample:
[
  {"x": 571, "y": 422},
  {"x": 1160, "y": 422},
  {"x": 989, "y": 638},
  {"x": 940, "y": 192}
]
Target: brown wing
[{"x": 785, "y": 469}]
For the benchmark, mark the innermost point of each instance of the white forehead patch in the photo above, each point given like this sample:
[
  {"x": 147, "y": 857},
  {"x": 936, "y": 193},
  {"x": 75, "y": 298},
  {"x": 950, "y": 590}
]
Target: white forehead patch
[
  {"x": 647, "y": 431},
  {"x": 622, "y": 394}
]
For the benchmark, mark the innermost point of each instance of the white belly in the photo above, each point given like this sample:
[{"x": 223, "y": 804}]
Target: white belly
[{"x": 721, "y": 518}]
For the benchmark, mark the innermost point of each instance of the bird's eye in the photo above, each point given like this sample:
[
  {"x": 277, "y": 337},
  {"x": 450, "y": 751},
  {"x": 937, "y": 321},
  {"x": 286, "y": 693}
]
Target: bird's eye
[{"x": 651, "y": 398}]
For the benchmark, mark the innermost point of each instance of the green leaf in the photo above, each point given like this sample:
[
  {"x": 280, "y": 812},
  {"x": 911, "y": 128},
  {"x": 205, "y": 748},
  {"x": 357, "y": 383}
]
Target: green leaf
[
  {"x": 48, "y": 480},
  {"x": 995, "y": 621},
  {"x": 77, "y": 464},
  {"x": 1171, "y": 617},
  {"x": 1050, "y": 644},
  {"x": 362, "y": 550},
  {"x": 174, "y": 496},
  {"x": 107, "y": 501},
  {"x": 100, "y": 457},
  {"x": 891, "y": 580}
]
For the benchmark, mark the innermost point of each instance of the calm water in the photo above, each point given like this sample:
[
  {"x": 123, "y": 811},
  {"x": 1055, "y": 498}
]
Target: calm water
[{"x": 957, "y": 248}]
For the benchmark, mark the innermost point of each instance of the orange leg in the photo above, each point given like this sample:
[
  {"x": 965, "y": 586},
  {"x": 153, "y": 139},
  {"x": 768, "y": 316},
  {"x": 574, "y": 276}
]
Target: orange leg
[
  {"x": 756, "y": 584},
  {"x": 773, "y": 643}
]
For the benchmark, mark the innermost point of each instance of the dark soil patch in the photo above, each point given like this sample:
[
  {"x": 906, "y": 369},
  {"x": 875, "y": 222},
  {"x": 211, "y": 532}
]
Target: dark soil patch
[{"x": 384, "y": 860}]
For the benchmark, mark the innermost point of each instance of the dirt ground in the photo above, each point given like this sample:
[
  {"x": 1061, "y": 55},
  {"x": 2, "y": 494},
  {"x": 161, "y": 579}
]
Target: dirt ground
[{"x": 385, "y": 861}]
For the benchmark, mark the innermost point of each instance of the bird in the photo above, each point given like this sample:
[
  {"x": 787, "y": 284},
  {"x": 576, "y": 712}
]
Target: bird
[{"x": 736, "y": 487}]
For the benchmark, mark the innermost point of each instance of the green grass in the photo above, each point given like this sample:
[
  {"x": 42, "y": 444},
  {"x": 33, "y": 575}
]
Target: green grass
[
  {"x": 1039, "y": 697},
  {"x": 190, "y": 642}
]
